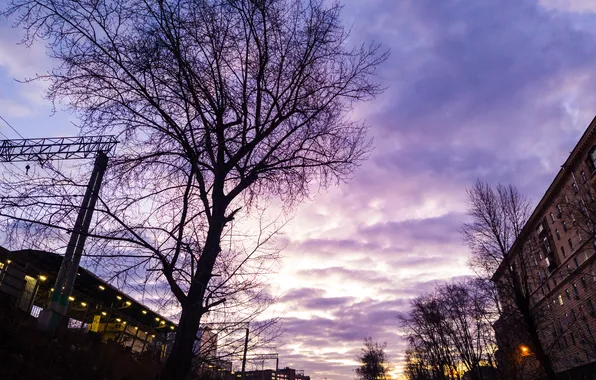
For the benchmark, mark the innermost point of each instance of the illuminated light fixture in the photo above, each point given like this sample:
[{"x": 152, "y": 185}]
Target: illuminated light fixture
[
  {"x": 152, "y": 336},
  {"x": 84, "y": 304},
  {"x": 172, "y": 327},
  {"x": 71, "y": 298},
  {"x": 42, "y": 278},
  {"x": 128, "y": 303},
  {"x": 157, "y": 319},
  {"x": 118, "y": 320},
  {"x": 144, "y": 311},
  {"x": 8, "y": 261},
  {"x": 101, "y": 287},
  {"x": 104, "y": 313},
  {"x": 119, "y": 297},
  {"x": 163, "y": 322},
  {"x": 525, "y": 351},
  {"x": 124, "y": 322},
  {"x": 51, "y": 290},
  {"x": 136, "y": 328}
]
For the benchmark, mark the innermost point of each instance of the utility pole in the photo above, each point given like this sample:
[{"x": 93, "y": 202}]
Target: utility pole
[
  {"x": 65, "y": 148},
  {"x": 244, "y": 355}
]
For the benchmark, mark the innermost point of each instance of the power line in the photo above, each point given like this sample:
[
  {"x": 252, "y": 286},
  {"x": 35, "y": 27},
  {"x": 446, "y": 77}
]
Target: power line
[{"x": 11, "y": 127}]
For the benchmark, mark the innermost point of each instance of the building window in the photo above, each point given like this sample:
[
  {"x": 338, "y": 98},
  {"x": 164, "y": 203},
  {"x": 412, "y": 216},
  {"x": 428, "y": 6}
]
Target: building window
[
  {"x": 584, "y": 284},
  {"x": 575, "y": 291},
  {"x": 557, "y": 234},
  {"x": 570, "y": 243},
  {"x": 564, "y": 226},
  {"x": 583, "y": 174},
  {"x": 563, "y": 251},
  {"x": 572, "y": 338},
  {"x": 568, "y": 294},
  {"x": 579, "y": 236},
  {"x": 576, "y": 262},
  {"x": 559, "y": 211},
  {"x": 540, "y": 229},
  {"x": 593, "y": 158},
  {"x": 573, "y": 316},
  {"x": 575, "y": 188},
  {"x": 546, "y": 244},
  {"x": 590, "y": 306},
  {"x": 561, "y": 300},
  {"x": 552, "y": 217},
  {"x": 588, "y": 329}
]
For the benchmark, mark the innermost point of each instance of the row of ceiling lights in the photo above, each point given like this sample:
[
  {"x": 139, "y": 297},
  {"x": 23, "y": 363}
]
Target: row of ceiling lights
[{"x": 101, "y": 287}]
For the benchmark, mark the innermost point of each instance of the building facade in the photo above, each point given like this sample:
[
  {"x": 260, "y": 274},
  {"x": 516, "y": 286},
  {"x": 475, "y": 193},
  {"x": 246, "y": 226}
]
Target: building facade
[{"x": 553, "y": 266}]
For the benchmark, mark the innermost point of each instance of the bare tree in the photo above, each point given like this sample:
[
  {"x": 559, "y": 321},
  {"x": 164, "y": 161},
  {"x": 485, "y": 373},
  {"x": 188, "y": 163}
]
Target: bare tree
[
  {"x": 218, "y": 105},
  {"x": 450, "y": 329},
  {"x": 498, "y": 248},
  {"x": 374, "y": 363}
]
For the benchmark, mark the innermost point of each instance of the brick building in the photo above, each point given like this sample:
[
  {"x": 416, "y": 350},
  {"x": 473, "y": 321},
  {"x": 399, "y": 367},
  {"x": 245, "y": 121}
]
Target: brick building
[{"x": 554, "y": 257}]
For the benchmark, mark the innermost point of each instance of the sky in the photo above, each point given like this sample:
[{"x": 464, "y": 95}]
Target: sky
[{"x": 499, "y": 90}]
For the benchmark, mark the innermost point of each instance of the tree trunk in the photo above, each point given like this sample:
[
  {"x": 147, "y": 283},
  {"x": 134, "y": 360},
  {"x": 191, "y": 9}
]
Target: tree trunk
[
  {"x": 179, "y": 362},
  {"x": 538, "y": 349}
]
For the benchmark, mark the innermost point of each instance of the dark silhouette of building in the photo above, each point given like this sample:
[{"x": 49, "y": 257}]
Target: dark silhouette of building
[
  {"x": 27, "y": 277},
  {"x": 562, "y": 272}
]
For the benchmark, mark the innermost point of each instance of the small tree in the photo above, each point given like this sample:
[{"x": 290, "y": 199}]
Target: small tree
[{"x": 373, "y": 361}]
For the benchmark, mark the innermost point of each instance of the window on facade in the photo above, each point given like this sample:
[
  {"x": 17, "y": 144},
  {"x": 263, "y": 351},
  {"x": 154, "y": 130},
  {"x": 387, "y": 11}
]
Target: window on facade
[
  {"x": 570, "y": 243},
  {"x": 588, "y": 329},
  {"x": 557, "y": 234},
  {"x": 563, "y": 251},
  {"x": 576, "y": 262},
  {"x": 575, "y": 188},
  {"x": 559, "y": 211},
  {"x": 575, "y": 290},
  {"x": 564, "y": 226},
  {"x": 573, "y": 316},
  {"x": 560, "y": 299},
  {"x": 583, "y": 280},
  {"x": 590, "y": 306},
  {"x": 572, "y": 338},
  {"x": 552, "y": 217},
  {"x": 593, "y": 158},
  {"x": 583, "y": 174},
  {"x": 568, "y": 294},
  {"x": 546, "y": 244}
]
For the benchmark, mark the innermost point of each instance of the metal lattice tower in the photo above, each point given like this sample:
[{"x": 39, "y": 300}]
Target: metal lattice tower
[
  {"x": 58, "y": 148},
  {"x": 65, "y": 148}
]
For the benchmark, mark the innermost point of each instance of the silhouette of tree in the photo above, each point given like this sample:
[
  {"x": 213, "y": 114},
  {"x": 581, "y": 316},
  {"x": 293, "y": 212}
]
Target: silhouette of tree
[
  {"x": 373, "y": 361},
  {"x": 494, "y": 236},
  {"x": 219, "y": 105},
  {"x": 448, "y": 331}
]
